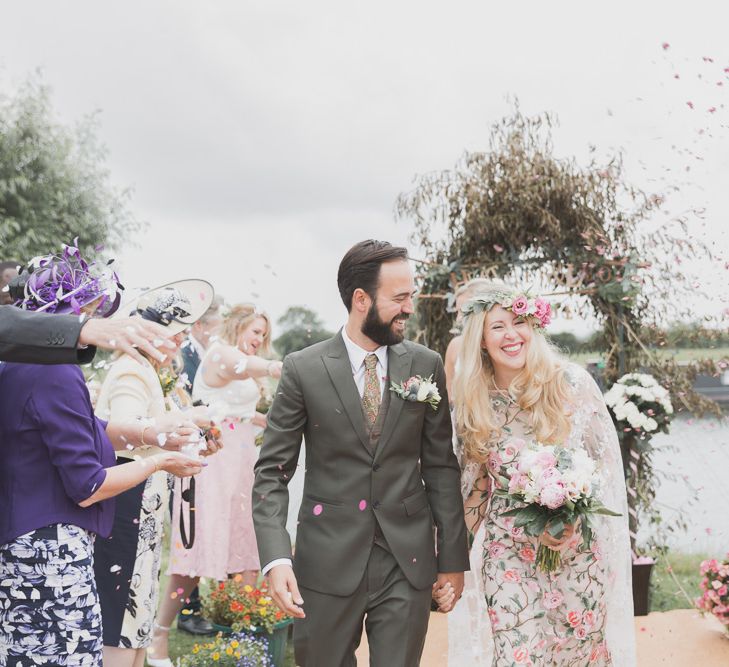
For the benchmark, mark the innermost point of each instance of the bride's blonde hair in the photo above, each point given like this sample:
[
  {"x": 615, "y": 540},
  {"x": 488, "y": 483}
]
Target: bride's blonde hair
[{"x": 541, "y": 388}]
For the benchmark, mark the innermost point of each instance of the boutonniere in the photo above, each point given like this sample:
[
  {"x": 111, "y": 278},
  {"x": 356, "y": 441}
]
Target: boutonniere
[{"x": 418, "y": 389}]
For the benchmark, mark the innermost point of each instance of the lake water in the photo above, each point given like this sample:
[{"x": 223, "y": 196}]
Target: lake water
[{"x": 695, "y": 458}]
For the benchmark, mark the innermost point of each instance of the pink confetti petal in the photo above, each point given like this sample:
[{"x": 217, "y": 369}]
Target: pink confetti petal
[
  {"x": 318, "y": 509},
  {"x": 665, "y": 46},
  {"x": 362, "y": 505}
]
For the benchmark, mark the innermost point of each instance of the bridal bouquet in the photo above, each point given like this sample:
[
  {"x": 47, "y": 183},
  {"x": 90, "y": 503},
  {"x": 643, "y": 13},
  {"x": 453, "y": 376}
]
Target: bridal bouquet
[
  {"x": 558, "y": 486},
  {"x": 640, "y": 404}
]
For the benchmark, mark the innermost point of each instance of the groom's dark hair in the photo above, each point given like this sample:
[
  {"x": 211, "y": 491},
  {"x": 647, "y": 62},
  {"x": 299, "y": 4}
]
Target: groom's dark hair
[{"x": 360, "y": 267}]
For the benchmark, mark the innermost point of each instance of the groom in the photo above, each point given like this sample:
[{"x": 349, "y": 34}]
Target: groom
[{"x": 380, "y": 474}]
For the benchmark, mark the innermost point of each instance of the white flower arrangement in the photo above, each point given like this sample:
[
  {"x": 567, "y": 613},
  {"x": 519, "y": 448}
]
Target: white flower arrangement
[
  {"x": 418, "y": 389},
  {"x": 639, "y": 403}
]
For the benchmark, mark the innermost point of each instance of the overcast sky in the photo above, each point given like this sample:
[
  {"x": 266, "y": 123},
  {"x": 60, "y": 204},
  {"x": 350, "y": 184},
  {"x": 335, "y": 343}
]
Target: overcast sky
[{"x": 273, "y": 134}]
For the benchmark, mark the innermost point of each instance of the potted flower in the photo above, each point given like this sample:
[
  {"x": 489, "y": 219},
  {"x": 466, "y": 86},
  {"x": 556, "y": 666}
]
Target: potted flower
[
  {"x": 715, "y": 589},
  {"x": 234, "y": 650},
  {"x": 235, "y": 608},
  {"x": 640, "y": 408}
]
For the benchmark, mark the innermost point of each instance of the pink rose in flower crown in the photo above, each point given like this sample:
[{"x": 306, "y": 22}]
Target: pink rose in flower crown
[
  {"x": 520, "y": 305},
  {"x": 543, "y": 311},
  {"x": 553, "y": 496}
]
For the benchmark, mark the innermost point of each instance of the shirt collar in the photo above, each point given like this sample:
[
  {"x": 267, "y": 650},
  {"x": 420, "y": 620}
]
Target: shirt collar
[{"x": 357, "y": 354}]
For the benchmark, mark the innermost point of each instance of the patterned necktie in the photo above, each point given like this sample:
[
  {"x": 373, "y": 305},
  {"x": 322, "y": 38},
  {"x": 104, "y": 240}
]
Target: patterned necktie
[{"x": 372, "y": 395}]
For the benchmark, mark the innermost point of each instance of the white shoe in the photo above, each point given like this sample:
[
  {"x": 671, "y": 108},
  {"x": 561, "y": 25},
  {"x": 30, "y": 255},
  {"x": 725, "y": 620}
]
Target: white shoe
[{"x": 159, "y": 662}]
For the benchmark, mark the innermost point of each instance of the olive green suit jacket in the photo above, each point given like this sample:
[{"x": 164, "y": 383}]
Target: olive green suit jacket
[{"x": 408, "y": 483}]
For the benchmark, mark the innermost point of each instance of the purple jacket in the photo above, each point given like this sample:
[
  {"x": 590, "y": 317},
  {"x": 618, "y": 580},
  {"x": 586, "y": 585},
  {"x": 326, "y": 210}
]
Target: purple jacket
[{"x": 53, "y": 451}]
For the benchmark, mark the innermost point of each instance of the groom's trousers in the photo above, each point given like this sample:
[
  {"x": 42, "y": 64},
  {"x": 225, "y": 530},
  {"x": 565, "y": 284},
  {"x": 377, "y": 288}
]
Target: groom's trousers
[{"x": 395, "y": 616}]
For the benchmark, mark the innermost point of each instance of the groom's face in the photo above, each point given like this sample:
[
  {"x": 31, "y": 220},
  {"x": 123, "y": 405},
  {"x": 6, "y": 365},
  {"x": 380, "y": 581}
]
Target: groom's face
[{"x": 392, "y": 305}]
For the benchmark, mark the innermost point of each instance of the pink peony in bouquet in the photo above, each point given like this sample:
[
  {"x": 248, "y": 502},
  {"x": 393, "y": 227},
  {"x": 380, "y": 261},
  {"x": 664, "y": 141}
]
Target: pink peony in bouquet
[{"x": 555, "y": 486}]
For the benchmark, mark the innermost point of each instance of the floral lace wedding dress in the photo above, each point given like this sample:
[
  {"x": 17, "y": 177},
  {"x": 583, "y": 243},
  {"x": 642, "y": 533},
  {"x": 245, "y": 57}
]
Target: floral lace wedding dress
[{"x": 511, "y": 612}]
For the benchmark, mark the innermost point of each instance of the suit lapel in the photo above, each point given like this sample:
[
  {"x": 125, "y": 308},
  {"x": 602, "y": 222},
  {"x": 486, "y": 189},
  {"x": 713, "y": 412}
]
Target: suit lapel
[
  {"x": 399, "y": 361},
  {"x": 339, "y": 368}
]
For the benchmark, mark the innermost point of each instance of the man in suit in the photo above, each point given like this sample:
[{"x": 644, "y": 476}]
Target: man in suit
[
  {"x": 380, "y": 473},
  {"x": 193, "y": 349}
]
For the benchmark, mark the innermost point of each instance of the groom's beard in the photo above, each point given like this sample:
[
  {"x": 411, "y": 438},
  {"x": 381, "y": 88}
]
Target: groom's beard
[{"x": 379, "y": 331}]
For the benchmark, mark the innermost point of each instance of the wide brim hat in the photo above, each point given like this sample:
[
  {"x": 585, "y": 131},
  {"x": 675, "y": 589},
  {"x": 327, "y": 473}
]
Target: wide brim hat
[{"x": 176, "y": 305}]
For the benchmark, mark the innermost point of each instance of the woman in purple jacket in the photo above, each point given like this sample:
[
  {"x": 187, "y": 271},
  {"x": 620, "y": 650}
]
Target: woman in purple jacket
[{"x": 57, "y": 480}]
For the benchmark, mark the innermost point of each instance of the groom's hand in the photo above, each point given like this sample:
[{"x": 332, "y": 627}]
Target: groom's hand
[
  {"x": 454, "y": 581},
  {"x": 285, "y": 591}
]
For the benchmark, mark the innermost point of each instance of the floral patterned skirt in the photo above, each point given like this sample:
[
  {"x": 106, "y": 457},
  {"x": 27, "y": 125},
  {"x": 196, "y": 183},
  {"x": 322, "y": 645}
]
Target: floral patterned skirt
[
  {"x": 128, "y": 562},
  {"x": 49, "y": 606},
  {"x": 538, "y": 618}
]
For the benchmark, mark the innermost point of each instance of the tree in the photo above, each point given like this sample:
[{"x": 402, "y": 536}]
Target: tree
[
  {"x": 566, "y": 341},
  {"x": 301, "y": 328},
  {"x": 54, "y": 185}
]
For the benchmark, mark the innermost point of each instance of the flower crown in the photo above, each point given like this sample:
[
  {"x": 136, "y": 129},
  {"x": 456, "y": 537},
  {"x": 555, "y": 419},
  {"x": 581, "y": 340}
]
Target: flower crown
[{"x": 538, "y": 310}]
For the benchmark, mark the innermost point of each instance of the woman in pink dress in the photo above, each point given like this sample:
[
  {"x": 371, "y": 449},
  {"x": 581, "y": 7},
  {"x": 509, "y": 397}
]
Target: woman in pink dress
[{"x": 225, "y": 543}]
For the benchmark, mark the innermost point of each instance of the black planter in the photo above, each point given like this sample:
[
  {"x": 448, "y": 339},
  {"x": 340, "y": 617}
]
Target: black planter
[{"x": 641, "y": 588}]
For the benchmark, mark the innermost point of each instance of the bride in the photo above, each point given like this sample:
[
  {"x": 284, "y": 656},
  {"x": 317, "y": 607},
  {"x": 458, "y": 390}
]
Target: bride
[{"x": 513, "y": 389}]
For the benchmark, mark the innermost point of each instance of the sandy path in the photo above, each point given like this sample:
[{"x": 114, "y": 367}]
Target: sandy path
[{"x": 679, "y": 638}]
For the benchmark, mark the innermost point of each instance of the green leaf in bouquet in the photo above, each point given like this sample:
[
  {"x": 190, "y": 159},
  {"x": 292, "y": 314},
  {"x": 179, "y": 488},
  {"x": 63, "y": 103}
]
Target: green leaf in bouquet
[
  {"x": 601, "y": 509},
  {"x": 556, "y": 529},
  {"x": 525, "y": 515},
  {"x": 538, "y": 525}
]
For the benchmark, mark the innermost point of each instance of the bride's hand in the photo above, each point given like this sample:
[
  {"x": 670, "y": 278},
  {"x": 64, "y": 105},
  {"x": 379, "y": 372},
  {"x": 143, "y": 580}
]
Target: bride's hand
[
  {"x": 553, "y": 543},
  {"x": 444, "y": 597}
]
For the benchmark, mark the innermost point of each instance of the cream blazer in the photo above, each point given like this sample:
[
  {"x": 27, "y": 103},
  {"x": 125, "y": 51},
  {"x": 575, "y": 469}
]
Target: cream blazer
[{"x": 131, "y": 391}]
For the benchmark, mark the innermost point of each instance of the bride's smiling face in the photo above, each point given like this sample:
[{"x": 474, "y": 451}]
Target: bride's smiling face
[{"x": 506, "y": 338}]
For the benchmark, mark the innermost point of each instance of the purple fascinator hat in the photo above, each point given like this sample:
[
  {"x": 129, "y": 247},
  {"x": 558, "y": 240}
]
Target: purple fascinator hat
[{"x": 65, "y": 283}]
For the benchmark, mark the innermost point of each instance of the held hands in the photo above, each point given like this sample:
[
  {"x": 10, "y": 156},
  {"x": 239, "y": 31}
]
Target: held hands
[
  {"x": 285, "y": 591},
  {"x": 130, "y": 335},
  {"x": 447, "y": 590}
]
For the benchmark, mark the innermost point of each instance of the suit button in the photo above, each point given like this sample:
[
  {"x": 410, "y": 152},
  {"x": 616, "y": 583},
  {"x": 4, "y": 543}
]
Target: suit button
[
  {"x": 376, "y": 505},
  {"x": 376, "y": 467}
]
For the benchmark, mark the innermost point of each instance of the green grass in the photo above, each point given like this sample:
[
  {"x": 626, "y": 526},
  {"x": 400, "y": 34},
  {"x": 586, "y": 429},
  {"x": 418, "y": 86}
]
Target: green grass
[{"x": 666, "y": 590}]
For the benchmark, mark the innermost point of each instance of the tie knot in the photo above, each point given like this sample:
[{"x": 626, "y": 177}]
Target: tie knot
[{"x": 371, "y": 362}]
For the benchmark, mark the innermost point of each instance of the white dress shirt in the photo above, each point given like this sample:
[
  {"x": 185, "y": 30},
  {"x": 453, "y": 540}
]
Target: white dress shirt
[{"x": 356, "y": 356}]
